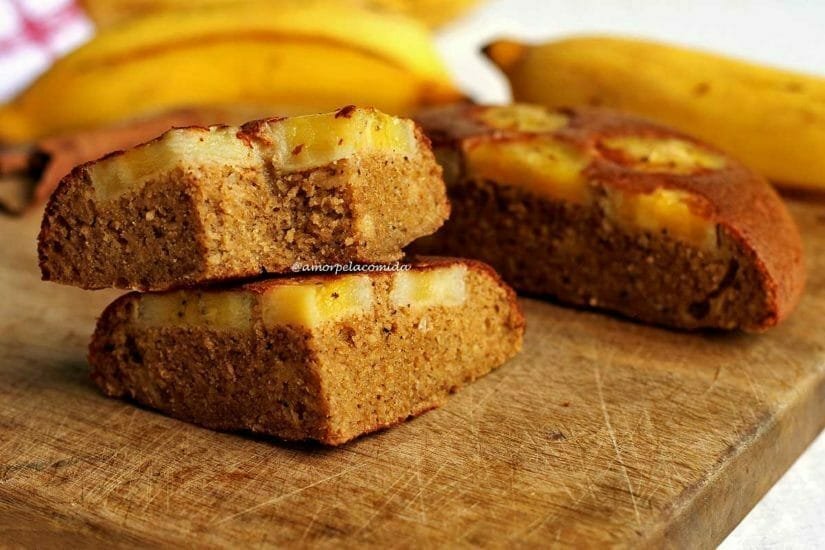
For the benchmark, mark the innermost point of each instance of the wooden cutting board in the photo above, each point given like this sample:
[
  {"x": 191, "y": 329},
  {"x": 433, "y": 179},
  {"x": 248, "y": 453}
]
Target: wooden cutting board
[{"x": 602, "y": 432}]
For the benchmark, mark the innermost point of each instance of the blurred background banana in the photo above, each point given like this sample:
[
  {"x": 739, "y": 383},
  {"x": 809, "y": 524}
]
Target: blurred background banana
[
  {"x": 281, "y": 57},
  {"x": 433, "y": 13},
  {"x": 773, "y": 120}
]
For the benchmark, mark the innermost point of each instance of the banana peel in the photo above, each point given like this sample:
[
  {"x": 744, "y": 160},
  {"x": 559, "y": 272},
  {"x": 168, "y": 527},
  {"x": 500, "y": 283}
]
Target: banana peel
[
  {"x": 771, "y": 119},
  {"x": 316, "y": 55}
]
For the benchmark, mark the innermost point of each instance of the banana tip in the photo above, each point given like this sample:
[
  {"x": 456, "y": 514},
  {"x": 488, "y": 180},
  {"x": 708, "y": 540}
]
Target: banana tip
[
  {"x": 438, "y": 94},
  {"x": 504, "y": 53}
]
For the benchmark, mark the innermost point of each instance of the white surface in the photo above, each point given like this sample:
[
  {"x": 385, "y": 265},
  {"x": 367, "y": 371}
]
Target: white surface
[
  {"x": 792, "y": 514},
  {"x": 21, "y": 64},
  {"x": 788, "y": 34}
]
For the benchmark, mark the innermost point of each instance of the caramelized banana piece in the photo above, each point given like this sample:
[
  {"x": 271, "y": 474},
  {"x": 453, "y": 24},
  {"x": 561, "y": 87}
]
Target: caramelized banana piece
[{"x": 606, "y": 210}]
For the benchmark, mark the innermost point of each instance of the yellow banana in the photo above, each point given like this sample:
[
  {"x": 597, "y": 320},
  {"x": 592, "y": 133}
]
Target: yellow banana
[
  {"x": 773, "y": 120},
  {"x": 310, "y": 55},
  {"x": 106, "y": 13},
  {"x": 431, "y": 12}
]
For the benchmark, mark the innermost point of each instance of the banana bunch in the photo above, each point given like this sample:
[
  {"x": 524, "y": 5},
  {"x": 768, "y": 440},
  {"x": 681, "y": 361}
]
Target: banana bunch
[
  {"x": 431, "y": 12},
  {"x": 304, "y": 56},
  {"x": 773, "y": 120}
]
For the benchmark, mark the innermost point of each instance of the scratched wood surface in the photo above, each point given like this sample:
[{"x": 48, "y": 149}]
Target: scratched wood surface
[{"x": 601, "y": 432}]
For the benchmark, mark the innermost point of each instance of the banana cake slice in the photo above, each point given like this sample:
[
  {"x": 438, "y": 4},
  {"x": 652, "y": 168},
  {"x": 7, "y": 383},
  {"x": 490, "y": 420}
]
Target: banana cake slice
[
  {"x": 602, "y": 209},
  {"x": 326, "y": 358},
  {"x": 206, "y": 204}
]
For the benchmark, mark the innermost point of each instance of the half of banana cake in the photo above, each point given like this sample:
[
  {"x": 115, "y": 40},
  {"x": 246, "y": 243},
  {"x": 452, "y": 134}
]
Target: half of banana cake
[
  {"x": 307, "y": 357},
  {"x": 206, "y": 204},
  {"x": 604, "y": 209}
]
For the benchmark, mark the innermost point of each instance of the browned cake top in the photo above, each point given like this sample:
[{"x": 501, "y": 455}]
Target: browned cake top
[
  {"x": 635, "y": 157},
  {"x": 289, "y": 144}
]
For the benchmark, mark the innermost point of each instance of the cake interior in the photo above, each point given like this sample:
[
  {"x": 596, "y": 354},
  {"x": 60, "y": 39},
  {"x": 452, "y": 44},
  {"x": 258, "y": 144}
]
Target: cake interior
[
  {"x": 578, "y": 255},
  {"x": 325, "y": 359}
]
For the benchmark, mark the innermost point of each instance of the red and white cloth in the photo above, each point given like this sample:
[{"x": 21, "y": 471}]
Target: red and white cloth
[{"x": 33, "y": 33}]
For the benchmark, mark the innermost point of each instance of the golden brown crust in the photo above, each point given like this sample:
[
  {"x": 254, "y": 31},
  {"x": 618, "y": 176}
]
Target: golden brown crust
[{"x": 740, "y": 201}]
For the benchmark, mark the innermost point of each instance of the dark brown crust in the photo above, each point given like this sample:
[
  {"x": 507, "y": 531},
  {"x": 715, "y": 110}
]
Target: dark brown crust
[
  {"x": 345, "y": 112},
  {"x": 740, "y": 201}
]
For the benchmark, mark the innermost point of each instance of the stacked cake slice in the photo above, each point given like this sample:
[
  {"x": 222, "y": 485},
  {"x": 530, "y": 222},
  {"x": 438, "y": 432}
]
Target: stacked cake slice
[
  {"x": 196, "y": 213},
  {"x": 208, "y": 204}
]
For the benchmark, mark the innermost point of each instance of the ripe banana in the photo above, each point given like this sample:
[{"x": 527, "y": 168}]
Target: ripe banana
[
  {"x": 431, "y": 12},
  {"x": 106, "y": 13},
  {"x": 312, "y": 55},
  {"x": 771, "y": 119}
]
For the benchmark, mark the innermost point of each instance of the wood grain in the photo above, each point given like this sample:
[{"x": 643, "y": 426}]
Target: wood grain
[{"x": 602, "y": 432}]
